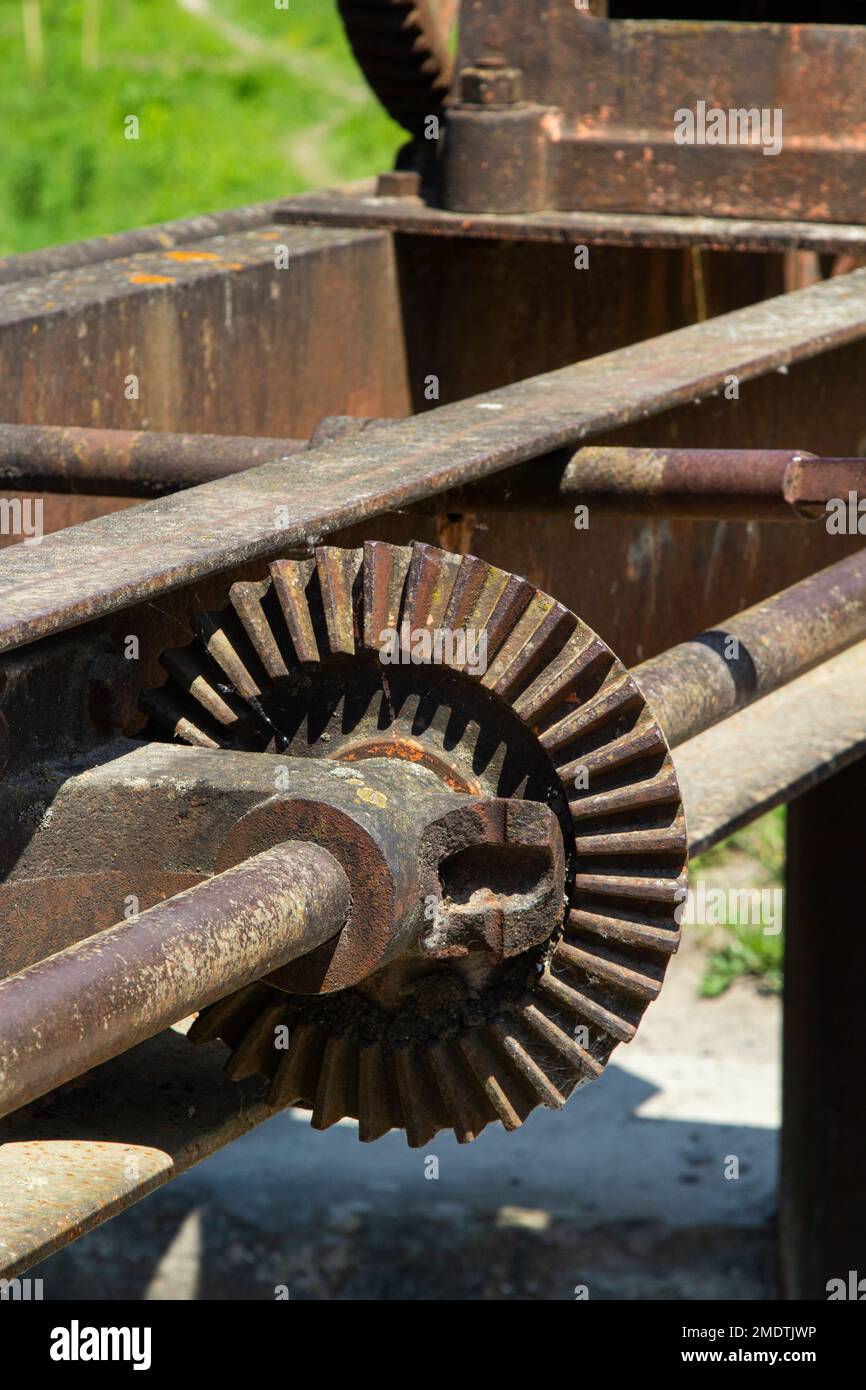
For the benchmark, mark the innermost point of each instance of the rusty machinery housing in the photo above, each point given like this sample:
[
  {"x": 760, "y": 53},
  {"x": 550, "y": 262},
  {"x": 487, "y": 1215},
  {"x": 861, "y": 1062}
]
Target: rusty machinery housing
[{"x": 447, "y": 876}]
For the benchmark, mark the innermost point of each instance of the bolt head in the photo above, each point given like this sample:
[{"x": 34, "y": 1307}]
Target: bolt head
[{"x": 489, "y": 84}]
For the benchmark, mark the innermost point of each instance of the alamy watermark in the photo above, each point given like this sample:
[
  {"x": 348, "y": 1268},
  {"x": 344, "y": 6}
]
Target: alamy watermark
[
  {"x": 22, "y": 517},
  {"x": 713, "y": 125},
  {"x": 465, "y": 648},
  {"x": 718, "y": 907}
]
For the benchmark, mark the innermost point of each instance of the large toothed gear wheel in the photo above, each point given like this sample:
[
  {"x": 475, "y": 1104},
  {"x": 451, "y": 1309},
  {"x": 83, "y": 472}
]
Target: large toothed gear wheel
[
  {"x": 294, "y": 666},
  {"x": 404, "y": 50}
]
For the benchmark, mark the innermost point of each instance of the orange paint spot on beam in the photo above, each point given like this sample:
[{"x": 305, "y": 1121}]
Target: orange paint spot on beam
[
  {"x": 151, "y": 279},
  {"x": 192, "y": 255}
]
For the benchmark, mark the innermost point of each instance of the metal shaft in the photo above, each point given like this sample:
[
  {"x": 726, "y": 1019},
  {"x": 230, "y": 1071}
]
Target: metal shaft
[
  {"x": 759, "y": 484},
  {"x": 126, "y": 463},
  {"x": 696, "y": 684},
  {"x": 84, "y": 1005}
]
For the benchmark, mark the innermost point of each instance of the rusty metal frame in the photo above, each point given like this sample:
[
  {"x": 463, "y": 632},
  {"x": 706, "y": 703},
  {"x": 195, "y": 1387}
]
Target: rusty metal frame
[{"x": 114, "y": 564}]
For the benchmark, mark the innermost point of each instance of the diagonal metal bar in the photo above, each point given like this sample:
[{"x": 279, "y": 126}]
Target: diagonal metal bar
[{"x": 116, "y": 560}]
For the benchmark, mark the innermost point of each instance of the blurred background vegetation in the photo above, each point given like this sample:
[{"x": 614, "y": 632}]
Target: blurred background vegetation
[{"x": 237, "y": 101}]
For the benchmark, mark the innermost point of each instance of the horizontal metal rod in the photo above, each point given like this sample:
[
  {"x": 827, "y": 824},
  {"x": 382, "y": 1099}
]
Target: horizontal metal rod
[
  {"x": 699, "y": 683},
  {"x": 747, "y": 484},
  {"x": 775, "y": 750},
  {"x": 126, "y": 463},
  {"x": 138, "y": 552},
  {"x": 84, "y": 1005}
]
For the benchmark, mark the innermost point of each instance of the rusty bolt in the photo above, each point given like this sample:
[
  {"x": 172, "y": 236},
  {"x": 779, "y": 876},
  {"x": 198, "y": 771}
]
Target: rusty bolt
[{"x": 491, "y": 82}]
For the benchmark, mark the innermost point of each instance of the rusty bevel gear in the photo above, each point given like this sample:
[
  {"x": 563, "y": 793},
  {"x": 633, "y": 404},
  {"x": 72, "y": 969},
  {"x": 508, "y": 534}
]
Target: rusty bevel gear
[
  {"x": 293, "y": 665},
  {"x": 403, "y": 50}
]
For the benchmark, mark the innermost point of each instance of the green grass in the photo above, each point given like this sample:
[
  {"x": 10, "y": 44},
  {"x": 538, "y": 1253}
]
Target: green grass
[
  {"x": 747, "y": 951},
  {"x": 226, "y": 116}
]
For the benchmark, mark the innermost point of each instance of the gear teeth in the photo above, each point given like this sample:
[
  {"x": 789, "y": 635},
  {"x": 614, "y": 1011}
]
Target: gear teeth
[
  {"x": 538, "y": 635},
  {"x": 216, "y": 1018},
  {"x": 519, "y": 1055},
  {"x": 419, "y": 1097},
  {"x": 666, "y": 891},
  {"x": 291, "y": 579},
  {"x": 246, "y": 599},
  {"x": 583, "y": 1006},
  {"x": 403, "y": 49},
  {"x": 602, "y": 967},
  {"x": 429, "y": 584},
  {"x": 583, "y": 661},
  {"x": 551, "y": 1033},
  {"x": 385, "y": 570},
  {"x": 186, "y": 670},
  {"x": 378, "y": 1103},
  {"x": 297, "y": 1073},
  {"x": 659, "y": 790},
  {"x": 339, "y": 574},
  {"x": 619, "y": 695},
  {"x": 506, "y": 1093},
  {"x": 254, "y": 1050},
  {"x": 585, "y": 714},
  {"x": 337, "y": 1086},
  {"x": 662, "y": 840},
  {"x": 466, "y": 1112},
  {"x": 223, "y": 645},
  {"x": 643, "y": 741},
  {"x": 168, "y": 712},
  {"x": 622, "y": 931}
]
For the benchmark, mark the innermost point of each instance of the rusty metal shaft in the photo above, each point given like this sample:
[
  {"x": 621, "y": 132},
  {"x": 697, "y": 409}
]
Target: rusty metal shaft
[
  {"x": 84, "y": 1005},
  {"x": 126, "y": 463},
  {"x": 759, "y": 484},
  {"x": 698, "y": 683}
]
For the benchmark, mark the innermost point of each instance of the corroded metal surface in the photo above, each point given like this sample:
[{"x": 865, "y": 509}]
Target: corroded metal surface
[
  {"x": 86, "y": 1004},
  {"x": 113, "y": 561},
  {"x": 134, "y": 463},
  {"x": 94, "y": 1147},
  {"x": 366, "y": 208},
  {"x": 162, "y": 236},
  {"x": 235, "y": 334},
  {"x": 774, "y": 484},
  {"x": 781, "y": 746},
  {"x": 699, "y": 683},
  {"x": 478, "y": 1023},
  {"x": 618, "y": 85}
]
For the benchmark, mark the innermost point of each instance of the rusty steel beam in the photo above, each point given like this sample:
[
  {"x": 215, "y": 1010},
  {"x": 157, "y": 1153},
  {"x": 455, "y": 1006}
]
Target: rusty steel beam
[
  {"x": 750, "y": 484},
  {"x": 86, "y": 1004},
  {"x": 113, "y": 561},
  {"x": 89, "y": 1151},
  {"x": 377, "y": 205},
  {"x": 126, "y": 463},
  {"x": 699, "y": 683},
  {"x": 161, "y": 236}
]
